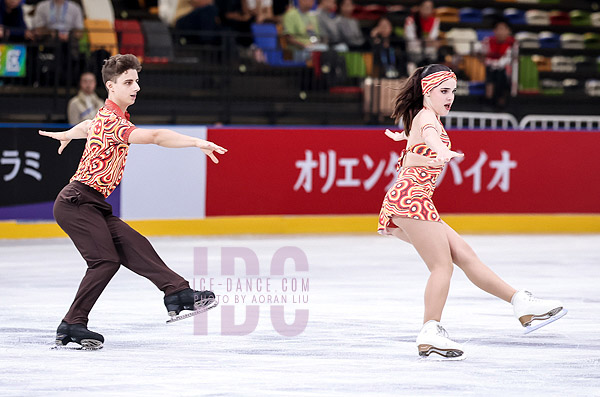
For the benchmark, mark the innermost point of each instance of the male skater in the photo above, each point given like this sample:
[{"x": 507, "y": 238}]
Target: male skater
[{"x": 104, "y": 240}]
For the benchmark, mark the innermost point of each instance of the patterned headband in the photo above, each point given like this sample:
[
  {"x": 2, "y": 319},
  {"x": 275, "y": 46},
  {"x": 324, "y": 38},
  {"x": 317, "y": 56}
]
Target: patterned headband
[{"x": 435, "y": 79}]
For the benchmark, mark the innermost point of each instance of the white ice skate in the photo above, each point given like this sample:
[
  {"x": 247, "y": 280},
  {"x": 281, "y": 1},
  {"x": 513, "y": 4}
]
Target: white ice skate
[
  {"x": 529, "y": 309},
  {"x": 433, "y": 338}
]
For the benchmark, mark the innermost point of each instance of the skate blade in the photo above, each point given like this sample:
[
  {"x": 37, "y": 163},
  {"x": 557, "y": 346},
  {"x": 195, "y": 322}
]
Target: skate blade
[
  {"x": 201, "y": 307},
  {"x": 528, "y": 319},
  {"x": 431, "y": 353},
  {"x": 547, "y": 321},
  {"x": 86, "y": 344}
]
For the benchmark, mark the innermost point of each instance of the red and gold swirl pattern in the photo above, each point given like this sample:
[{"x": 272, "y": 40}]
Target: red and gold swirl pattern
[
  {"x": 103, "y": 160},
  {"x": 410, "y": 196}
]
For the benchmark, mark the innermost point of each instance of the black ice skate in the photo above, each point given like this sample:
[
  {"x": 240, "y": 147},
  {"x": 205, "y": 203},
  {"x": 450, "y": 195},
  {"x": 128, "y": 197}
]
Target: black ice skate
[
  {"x": 188, "y": 299},
  {"x": 79, "y": 334}
]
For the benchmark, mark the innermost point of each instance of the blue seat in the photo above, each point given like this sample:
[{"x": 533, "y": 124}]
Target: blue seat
[
  {"x": 484, "y": 33},
  {"x": 470, "y": 15},
  {"x": 266, "y": 38},
  {"x": 549, "y": 40},
  {"x": 515, "y": 16},
  {"x": 477, "y": 88}
]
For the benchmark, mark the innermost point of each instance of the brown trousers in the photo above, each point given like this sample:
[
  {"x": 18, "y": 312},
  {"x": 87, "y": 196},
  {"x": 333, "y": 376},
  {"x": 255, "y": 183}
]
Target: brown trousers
[{"x": 106, "y": 242}]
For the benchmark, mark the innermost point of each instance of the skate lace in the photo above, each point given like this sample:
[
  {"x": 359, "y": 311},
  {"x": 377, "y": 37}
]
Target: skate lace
[
  {"x": 441, "y": 331},
  {"x": 530, "y": 297}
]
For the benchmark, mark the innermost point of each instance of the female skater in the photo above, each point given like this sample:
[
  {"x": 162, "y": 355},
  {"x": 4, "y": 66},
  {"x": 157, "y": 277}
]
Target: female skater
[{"x": 409, "y": 213}]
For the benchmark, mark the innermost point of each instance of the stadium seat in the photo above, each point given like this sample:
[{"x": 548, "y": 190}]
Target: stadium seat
[
  {"x": 477, "y": 88},
  {"x": 484, "y": 33},
  {"x": 580, "y": 18},
  {"x": 490, "y": 14},
  {"x": 544, "y": 64},
  {"x": 572, "y": 41},
  {"x": 447, "y": 14},
  {"x": 591, "y": 40},
  {"x": 355, "y": 64},
  {"x": 131, "y": 39},
  {"x": 559, "y": 18},
  {"x": 470, "y": 15},
  {"x": 527, "y": 40},
  {"x": 562, "y": 64},
  {"x": 464, "y": 40},
  {"x": 537, "y": 17},
  {"x": 473, "y": 67},
  {"x": 549, "y": 40},
  {"x": 101, "y": 35},
  {"x": 528, "y": 75},
  {"x": 266, "y": 37},
  {"x": 585, "y": 65},
  {"x": 159, "y": 44},
  {"x": 528, "y": 1},
  {"x": 515, "y": 16},
  {"x": 551, "y": 87},
  {"x": 99, "y": 9},
  {"x": 595, "y": 19},
  {"x": 592, "y": 87}
]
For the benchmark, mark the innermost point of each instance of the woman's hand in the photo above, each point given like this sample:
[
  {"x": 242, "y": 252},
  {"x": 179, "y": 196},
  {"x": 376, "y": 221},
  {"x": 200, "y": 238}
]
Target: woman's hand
[
  {"x": 396, "y": 136},
  {"x": 444, "y": 157}
]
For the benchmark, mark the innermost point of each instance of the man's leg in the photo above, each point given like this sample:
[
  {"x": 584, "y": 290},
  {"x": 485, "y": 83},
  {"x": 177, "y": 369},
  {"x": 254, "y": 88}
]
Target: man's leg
[
  {"x": 86, "y": 226},
  {"x": 137, "y": 254}
]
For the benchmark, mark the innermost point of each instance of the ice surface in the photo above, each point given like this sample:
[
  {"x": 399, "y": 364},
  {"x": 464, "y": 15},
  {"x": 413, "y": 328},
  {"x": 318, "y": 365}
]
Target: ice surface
[{"x": 365, "y": 310}]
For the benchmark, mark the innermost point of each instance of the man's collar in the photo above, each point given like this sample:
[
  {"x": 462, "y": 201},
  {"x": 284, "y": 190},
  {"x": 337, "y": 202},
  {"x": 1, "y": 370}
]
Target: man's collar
[{"x": 116, "y": 109}]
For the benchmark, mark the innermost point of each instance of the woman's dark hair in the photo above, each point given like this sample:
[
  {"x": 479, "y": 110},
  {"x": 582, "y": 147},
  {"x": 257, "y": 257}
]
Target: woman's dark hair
[{"x": 410, "y": 99}]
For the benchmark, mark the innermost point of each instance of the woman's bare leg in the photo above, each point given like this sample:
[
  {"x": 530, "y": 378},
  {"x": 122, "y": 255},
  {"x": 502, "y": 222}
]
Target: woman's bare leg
[
  {"x": 479, "y": 274},
  {"x": 431, "y": 242}
]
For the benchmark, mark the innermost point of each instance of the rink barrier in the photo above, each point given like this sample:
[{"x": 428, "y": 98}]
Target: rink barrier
[{"x": 212, "y": 226}]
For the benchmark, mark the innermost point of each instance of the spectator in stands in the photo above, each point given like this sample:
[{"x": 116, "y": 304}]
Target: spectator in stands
[
  {"x": 421, "y": 31},
  {"x": 388, "y": 59},
  {"x": 279, "y": 8},
  {"x": 301, "y": 28},
  {"x": 238, "y": 18},
  {"x": 261, "y": 10},
  {"x": 498, "y": 57},
  {"x": 167, "y": 10},
  {"x": 328, "y": 22},
  {"x": 86, "y": 103},
  {"x": 60, "y": 18},
  {"x": 348, "y": 26},
  {"x": 203, "y": 18},
  {"x": 12, "y": 23}
]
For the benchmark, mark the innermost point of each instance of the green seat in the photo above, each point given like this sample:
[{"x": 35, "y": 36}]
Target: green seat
[
  {"x": 528, "y": 75},
  {"x": 549, "y": 1},
  {"x": 355, "y": 64},
  {"x": 591, "y": 41},
  {"x": 580, "y": 18}
]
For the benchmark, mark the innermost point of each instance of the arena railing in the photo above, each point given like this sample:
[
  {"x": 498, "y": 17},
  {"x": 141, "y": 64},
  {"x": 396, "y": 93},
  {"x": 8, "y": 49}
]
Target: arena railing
[{"x": 554, "y": 122}]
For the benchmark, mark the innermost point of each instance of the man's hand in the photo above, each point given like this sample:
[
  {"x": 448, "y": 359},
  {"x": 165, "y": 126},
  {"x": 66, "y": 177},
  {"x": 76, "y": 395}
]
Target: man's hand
[
  {"x": 59, "y": 136},
  {"x": 209, "y": 148}
]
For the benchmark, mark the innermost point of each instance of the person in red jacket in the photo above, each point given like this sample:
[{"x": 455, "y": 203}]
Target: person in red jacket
[{"x": 498, "y": 58}]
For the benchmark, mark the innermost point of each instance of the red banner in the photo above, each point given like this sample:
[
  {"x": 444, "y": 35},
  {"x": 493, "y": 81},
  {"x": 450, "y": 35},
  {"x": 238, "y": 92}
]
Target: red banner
[{"x": 279, "y": 171}]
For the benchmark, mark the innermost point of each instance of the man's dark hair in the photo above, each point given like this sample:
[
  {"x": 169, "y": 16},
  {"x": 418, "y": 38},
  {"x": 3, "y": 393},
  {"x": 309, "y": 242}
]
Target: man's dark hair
[{"x": 118, "y": 64}]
